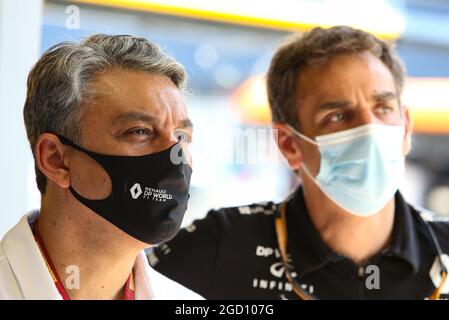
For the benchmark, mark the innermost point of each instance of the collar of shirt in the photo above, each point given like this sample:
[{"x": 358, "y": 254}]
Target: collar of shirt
[
  {"x": 309, "y": 252},
  {"x": 31, "y": 275}
]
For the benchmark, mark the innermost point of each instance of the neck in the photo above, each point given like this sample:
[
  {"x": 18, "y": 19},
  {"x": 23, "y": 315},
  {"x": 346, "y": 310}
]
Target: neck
[
  {"x": 77, "y": 239},
  {"x": 358, "y": 238}
]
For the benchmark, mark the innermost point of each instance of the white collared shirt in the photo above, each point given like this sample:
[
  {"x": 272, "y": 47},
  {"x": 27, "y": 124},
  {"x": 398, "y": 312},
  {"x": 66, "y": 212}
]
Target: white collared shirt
[{"x": 24, "y": 274}]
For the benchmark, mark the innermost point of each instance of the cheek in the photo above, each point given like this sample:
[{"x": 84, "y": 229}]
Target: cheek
[
  {"x": 407, "y": 144},
  {"x": 311, "y": 157},
  {"x": 88, "y": 178}
]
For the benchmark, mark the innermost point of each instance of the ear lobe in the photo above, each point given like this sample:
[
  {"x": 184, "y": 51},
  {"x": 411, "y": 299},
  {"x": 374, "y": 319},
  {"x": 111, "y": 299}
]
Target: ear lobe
[
  {"x": 49, "y": 155},
  {"x": 288, "y": 145}
]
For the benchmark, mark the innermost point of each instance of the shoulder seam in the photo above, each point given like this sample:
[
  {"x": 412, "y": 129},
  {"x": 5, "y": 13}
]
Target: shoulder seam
[{"x": 429, "y": 216}]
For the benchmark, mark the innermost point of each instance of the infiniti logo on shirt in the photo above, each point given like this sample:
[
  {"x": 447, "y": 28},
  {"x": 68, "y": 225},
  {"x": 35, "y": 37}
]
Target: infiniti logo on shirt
[{"x": 150, "y": 193}]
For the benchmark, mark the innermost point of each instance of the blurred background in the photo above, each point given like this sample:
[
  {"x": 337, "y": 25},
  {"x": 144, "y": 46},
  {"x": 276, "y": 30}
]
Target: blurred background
[{"x": 226, "y": 46}]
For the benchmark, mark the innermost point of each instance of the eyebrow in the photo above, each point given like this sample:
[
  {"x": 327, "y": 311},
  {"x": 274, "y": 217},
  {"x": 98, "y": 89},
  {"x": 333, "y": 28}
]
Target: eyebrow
[
  {"x": 342, "y": 104},
  {"x": 133, "y": 116},
  {"x": 142, "y": 116},
  {"x": 185, "y": 124},
  {"x": 338, "y": 104},
  {"x": 384, "y": 96}
]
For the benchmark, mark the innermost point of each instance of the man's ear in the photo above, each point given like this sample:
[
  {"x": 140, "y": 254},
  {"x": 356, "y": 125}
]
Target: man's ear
[
  {"x": 288, "y": 144},
  {"x": 49, "y": 155},
  {"x": 408, "y": 130}
]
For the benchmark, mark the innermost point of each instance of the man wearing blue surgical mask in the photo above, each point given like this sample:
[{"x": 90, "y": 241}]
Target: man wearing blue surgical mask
[{"x": 346, "y": 232}]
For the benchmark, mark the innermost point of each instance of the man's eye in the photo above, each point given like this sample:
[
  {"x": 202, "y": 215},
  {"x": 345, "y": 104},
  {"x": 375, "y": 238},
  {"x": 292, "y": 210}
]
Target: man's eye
[
  {"x": 337, "y": 118},
  {"x": 384, "y": 110},
  {"x": 139, "y": 132}
]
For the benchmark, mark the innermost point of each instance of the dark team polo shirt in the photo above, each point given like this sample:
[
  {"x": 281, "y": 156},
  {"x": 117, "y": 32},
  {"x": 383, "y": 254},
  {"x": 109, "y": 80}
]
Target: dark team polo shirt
[{"x": 233, "y": 254}]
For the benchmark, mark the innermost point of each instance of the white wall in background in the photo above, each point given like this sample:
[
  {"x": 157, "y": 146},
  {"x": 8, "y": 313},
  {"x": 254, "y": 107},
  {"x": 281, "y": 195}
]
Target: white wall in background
[{"x": 20, "y": 38}]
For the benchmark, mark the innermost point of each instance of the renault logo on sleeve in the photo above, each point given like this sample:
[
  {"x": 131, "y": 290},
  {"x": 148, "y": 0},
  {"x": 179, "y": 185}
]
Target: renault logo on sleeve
[{"x": 136, "y": 191}]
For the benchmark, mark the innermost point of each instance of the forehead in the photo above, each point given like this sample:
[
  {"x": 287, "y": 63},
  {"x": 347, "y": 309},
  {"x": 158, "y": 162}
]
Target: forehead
[
  {"x": 344, "y": 76},
  {"x": 118, "y": 91}
]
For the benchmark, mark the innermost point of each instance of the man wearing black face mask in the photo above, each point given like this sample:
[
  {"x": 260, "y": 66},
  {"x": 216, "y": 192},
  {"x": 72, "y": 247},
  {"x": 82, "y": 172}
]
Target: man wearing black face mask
[{"x": 109, "y": 133}]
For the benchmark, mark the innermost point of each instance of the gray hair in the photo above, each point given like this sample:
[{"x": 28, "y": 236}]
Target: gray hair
[
  {"x": 314, "y": 48},
  {"x": 60, "y": 82}
]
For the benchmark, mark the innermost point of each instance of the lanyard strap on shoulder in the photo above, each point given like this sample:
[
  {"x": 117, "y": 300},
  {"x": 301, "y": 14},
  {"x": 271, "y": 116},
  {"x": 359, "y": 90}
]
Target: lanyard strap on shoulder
[
  {"x": 281, "y": 233},
  {"x": 437, "y": 292}
]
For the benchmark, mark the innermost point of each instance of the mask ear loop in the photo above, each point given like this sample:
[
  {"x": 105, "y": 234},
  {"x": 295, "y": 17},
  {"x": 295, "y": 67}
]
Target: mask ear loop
[
  {"x": 92, "y": 155},
  {"x": 303, "y": 166},
  {"x": 309, "y": 140},
  {"x": 302, "y": 136}
]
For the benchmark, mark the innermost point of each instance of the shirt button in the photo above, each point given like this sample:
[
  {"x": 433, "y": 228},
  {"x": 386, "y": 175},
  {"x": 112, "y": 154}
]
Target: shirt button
[{"x": 361, "y": 272}]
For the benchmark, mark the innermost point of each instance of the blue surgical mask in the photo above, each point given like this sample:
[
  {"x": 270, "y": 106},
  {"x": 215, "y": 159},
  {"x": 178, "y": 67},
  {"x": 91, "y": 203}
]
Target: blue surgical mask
[{"x": 361, "y": 168}]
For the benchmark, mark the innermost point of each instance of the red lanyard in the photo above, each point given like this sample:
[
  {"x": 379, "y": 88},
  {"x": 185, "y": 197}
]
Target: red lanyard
[{"x": 129, "y": 286}]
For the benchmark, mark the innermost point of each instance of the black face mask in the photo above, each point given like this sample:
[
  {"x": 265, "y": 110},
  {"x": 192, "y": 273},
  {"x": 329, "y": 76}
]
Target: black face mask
[{"x": 149, "y": 193}]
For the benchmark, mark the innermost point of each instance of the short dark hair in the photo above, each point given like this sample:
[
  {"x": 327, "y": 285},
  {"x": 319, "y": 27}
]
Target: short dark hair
[{"x": 314, "y": 48}]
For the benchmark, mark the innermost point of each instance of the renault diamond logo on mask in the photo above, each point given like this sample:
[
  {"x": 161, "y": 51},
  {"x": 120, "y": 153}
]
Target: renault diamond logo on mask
[{"x": 136, "y": 191}]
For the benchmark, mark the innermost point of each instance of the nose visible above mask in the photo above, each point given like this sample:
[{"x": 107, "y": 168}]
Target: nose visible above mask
[{"x": 361, "y": 168}]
